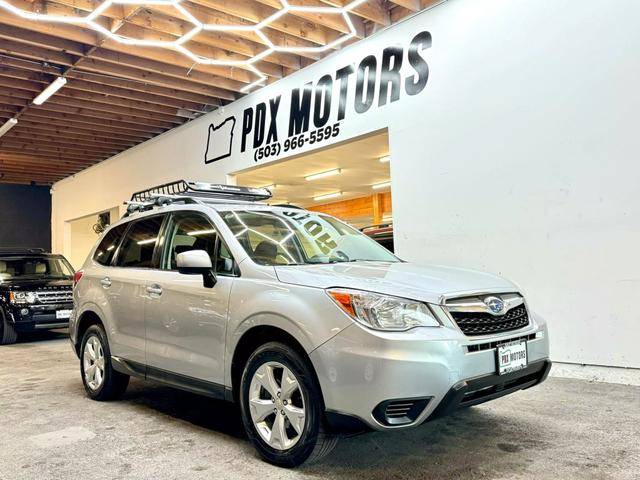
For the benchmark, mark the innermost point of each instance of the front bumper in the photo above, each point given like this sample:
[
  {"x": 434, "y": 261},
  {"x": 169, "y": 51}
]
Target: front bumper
[
  {"x": 38, "y": 317},
  {"x": 360, "y": 369}
]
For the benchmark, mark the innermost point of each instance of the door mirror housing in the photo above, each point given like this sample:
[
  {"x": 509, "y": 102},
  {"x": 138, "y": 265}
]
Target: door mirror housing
[{"x": 197, "y": 262}]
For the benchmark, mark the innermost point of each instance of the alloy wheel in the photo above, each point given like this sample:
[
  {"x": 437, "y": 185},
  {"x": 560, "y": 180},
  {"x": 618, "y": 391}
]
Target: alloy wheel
[
  {"x": 93, "y": 363},
  {"x": 276, "y": 404}
]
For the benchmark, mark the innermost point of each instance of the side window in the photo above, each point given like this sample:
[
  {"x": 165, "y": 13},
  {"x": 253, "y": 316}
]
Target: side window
[
  {"x": 139, "y": 243},
  {"x": 224, "y": 260},
  {"x": 107, "y": 248},
  {"x": 192, "y": 231}
]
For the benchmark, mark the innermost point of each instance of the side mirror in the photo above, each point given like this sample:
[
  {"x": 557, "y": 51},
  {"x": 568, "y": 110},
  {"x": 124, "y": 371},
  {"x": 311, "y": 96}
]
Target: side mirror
[{"x": 197, "y": 262}]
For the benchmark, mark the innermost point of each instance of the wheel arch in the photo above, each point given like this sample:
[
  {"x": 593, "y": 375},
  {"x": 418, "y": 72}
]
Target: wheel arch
[
  {"x": 253, "y": 338},
  {"x": 86, "y": 319}
]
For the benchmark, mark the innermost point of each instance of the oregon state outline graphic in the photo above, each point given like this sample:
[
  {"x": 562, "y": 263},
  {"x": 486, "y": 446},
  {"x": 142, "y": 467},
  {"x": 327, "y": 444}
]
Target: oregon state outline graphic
[{"x": 220, "y": 140}]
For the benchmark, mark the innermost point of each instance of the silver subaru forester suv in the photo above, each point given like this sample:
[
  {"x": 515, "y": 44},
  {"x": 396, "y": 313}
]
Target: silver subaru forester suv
[{"x": 311, "y": 326}]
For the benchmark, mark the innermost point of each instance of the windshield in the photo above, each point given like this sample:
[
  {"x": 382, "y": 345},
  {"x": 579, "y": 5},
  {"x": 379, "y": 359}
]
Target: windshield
[
  {"x": 295, "y": 238},
  {"x": 34, "y": 268}
]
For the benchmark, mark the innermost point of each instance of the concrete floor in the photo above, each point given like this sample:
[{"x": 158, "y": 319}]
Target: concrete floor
[{"x": 50, "y": 430}]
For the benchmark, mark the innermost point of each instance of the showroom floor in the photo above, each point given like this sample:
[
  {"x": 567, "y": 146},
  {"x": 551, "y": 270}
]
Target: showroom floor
[{"x": 49, "y": 429}]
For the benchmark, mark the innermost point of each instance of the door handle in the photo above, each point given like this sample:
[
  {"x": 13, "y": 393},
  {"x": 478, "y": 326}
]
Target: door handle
[
  {"x": 106, "y": 282},
  {"x": 154, "y": 290}
]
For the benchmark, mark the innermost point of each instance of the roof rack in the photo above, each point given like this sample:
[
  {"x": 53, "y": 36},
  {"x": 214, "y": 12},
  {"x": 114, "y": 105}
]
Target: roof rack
[
  {"x": 191, "y": 192},
  {"x": 202, "y": 189}
]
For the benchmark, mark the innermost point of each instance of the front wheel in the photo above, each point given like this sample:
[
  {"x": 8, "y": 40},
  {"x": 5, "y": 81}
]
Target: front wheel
[
  {"x": 100, "y": 380},
  {"x": 282, "y": 408}
]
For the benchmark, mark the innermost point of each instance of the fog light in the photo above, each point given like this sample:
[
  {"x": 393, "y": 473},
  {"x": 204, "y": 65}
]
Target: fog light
[{"x": 24, "y": 311}]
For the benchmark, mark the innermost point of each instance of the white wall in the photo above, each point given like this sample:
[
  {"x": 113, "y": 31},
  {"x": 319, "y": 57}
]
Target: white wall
[{"x": 517, "y": 158}]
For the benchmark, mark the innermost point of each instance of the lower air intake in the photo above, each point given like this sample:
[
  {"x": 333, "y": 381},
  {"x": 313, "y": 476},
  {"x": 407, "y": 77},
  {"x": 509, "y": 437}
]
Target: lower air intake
[{"x": 400, "y": 411}]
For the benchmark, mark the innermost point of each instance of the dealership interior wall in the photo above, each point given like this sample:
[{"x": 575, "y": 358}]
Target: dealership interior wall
[{"x": 517, "y": 158}]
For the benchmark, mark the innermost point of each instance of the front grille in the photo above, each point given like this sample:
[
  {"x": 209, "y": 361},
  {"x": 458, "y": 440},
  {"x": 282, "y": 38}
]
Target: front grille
[
  {"x": 49, "y": 297},
  {"x": 481, "y": 323}
]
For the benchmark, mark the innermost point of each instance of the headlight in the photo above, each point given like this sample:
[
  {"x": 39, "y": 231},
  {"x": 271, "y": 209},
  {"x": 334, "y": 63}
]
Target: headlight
[
  {"x": 383, "y": 312},
  {"x": 22, "y": 297}
]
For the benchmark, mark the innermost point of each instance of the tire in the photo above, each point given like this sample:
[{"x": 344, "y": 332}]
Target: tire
[
  {"x": 311, "y": 440},
  {"x": 8, "y": 333},
  {"x": 111, "y": 385}
]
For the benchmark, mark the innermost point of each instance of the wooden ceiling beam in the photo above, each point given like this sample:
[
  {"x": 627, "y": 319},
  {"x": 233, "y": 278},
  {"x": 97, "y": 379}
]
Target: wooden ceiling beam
[
  {"x": 25, "y": 133},
  {"x": 375, "y": 11},
  {"x": 216, "y": 17},
  {"x": 35, "y": 114},
  {"x": 84, "y": 136},
  {"x": 99, "y": 118},
  {"x": 70, "y": 90},
  {"x": 78, "y": 129},
  {"x": 12, "y": 67},
  {"x": 131, "y": 67},
  {"x": 54, "y": 119},
  {"x": 39, "y": 144},
  {"x": 39, "y": 152},
  {"x": 331, "y": 21},
  {"x": 61, "y": 99},
  {"x": 255, "y": 12}
]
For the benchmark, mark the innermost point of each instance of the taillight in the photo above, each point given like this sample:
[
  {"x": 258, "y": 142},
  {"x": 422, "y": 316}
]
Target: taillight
[{"x": 76, "y": 277}]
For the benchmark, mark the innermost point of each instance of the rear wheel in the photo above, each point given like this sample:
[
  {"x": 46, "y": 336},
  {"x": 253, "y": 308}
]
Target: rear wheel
[
  {"x": 282, "y": 407},
  {"x": 8, "y": 333},
  {"x": 100, "y": 380}
]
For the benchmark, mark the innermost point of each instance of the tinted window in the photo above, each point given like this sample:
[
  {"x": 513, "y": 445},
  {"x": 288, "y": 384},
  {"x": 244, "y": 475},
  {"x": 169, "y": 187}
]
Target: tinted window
[
  {"x": 107, "y": 248},
  {"x": 139, "y": 243}
]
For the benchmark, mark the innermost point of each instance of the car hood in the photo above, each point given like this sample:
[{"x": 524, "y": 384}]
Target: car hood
[{"x": 426, "y": 283}]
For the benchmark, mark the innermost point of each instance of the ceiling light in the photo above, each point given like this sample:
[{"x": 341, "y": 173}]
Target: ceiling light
[
  {"x": 381, "y": 185},
  {"x": 328, "y": 173},
  {"x": 385, "y": 159},
  {"x": 8, "y": 125},
  {"x": 195, "y": 233},
  {"x": 57, "y": 84},
  {"x": 148, "y": 241},
  {"x": 327, "y": 196}
]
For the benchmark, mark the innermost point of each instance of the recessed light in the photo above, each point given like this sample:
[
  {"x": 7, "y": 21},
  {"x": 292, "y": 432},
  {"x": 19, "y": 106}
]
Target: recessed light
[
  {"x": 328, "y": 173},
  {"x": 381, "y": 185},
  {"x": 385, "y": 159},
  {"x": 327, "y": 196}
]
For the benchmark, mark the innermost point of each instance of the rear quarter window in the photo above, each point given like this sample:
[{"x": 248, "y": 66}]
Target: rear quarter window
[{"x": 107, "y": 247}]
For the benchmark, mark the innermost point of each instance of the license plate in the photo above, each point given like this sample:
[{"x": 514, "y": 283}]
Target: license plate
[
  {"x": 62, "y": 314},
  {"x": 512, "y": 357}
]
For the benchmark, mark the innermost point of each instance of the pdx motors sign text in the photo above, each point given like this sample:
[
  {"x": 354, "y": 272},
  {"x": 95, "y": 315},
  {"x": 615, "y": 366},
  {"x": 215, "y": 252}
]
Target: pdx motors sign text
[{"x": 315, "y": 112}]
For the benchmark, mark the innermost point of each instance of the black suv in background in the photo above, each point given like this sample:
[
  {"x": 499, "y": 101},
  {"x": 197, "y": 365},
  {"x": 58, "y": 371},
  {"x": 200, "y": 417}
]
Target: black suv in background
[{"x": 35, "y": 292}]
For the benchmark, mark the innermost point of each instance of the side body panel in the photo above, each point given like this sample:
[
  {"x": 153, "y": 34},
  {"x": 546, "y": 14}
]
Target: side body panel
[{"x": 186, "y": 325}]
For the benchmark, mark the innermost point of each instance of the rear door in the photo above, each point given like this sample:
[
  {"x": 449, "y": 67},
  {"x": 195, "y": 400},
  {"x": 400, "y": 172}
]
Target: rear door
[
  {"x": 126, "y": 284},
  {"x": 186, "y": 322}
]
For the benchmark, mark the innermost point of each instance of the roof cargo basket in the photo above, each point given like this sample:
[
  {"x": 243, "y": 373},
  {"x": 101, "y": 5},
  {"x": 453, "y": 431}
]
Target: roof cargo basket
[{"x": 203, "y": 190}]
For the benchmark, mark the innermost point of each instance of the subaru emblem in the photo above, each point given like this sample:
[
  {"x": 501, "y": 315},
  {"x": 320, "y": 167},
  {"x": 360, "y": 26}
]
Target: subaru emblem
[{"x": 494, "y": 304}]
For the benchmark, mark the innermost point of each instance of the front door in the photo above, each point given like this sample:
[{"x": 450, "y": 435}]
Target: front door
[{"x": 186, "y": 322}]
